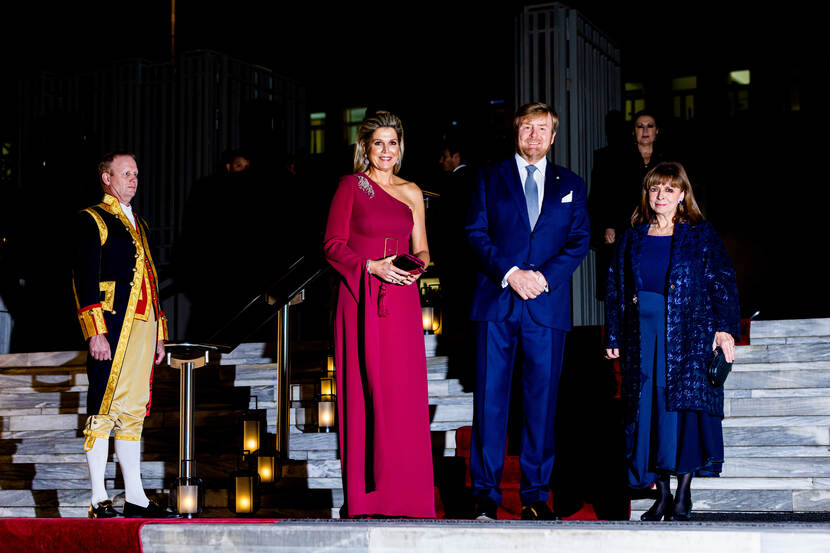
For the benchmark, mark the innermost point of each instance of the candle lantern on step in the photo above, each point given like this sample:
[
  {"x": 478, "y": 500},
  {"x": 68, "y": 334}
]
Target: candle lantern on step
[
  {"x": 189, "y": 492},
  {"x": 325, "y": 412},
  {"x": 251, "y": 427},
  {"x": 332, "y": 374},
  {"x": 431, "y": 310},
  {"x": 243, "y": 495},
  {"x": 267, "y": 462}
]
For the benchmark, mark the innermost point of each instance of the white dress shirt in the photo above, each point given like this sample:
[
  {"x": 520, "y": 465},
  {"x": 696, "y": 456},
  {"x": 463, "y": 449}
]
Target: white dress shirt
[{"x": 539, "y": 177}]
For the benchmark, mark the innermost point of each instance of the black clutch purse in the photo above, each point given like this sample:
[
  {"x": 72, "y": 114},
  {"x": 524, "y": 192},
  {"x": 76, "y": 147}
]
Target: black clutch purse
[{"x": 718, "y": 369}]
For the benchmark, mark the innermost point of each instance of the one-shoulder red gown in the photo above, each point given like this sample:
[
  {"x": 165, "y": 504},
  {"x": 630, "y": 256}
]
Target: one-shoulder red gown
[{"x": 382, "y": 399}]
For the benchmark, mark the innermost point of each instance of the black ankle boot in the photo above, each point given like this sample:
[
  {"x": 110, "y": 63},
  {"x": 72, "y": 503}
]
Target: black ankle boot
[
  {"x": 682, "y": 510},
  {"x": 661, "y": 507}
]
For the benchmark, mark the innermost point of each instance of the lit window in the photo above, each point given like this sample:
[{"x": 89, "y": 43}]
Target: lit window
[
  {"x": 353, "y": 117},
  {"x": 739, "y": 77},
  {"x": 684, "y": 83},
  {"x": 634, "y": 99},
  {"x": 318, "y": 133},
  {"x": 738, "y": 91}
]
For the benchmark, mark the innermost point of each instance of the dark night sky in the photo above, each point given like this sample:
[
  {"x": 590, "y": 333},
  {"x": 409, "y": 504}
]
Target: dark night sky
[{"x": 429, "y": 50}]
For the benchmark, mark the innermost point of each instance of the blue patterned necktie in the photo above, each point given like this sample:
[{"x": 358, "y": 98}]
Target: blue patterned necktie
[{"x": 532, "y": 196}]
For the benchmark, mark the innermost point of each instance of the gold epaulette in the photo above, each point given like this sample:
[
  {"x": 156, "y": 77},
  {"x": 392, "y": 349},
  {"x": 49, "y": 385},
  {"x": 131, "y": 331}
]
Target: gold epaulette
[{"x": 92, "y": 320}]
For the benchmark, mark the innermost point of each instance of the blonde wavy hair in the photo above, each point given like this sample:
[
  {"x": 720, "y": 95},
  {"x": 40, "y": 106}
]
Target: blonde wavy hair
[{"x": 364, "y": 135}]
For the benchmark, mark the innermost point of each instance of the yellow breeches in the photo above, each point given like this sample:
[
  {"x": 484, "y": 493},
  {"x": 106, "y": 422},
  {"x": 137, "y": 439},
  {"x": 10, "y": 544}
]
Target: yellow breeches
[{"x": 132, "y": 391}]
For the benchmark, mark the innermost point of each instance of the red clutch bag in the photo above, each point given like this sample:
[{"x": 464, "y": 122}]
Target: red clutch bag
[{"x": 409, "y": 263}]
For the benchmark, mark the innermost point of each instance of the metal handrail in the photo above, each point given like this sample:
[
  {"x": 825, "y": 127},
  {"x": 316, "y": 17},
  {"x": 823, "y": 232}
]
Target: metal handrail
[{"x": 288, "y": 290}]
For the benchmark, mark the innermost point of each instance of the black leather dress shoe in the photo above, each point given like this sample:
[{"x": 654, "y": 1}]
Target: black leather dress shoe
[
  {"x": 538, "y": 510},
  {"x": 102, "y": 510},
  {"x": 486, "y": 509},
  {"x": 152, "y": 510}
]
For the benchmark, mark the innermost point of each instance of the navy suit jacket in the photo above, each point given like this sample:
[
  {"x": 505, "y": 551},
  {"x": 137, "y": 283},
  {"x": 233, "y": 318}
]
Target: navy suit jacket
[{"x": 499, "y": 233}]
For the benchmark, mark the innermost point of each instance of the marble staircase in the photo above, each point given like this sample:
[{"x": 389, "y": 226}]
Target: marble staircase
[
  {"x": 776, "y": 430},
  {"x": 776, "y": 426}
]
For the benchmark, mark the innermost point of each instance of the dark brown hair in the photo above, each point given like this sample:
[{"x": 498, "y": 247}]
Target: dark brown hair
[{"x": 671, "y": 173}]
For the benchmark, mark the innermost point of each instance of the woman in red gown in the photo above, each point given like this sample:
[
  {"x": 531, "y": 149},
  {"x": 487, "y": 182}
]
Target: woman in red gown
[{"x": 379, "y": 343}]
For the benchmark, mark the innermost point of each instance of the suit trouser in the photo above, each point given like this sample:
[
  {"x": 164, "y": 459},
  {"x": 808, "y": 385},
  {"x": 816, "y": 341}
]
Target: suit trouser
[
  {"x": 132, "y": 391},
  {"x": 542, "y": 350}
]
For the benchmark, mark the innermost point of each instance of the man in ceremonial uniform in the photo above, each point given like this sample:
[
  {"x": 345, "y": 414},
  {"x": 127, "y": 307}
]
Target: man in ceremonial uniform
[{"x": 118, "y": 306}]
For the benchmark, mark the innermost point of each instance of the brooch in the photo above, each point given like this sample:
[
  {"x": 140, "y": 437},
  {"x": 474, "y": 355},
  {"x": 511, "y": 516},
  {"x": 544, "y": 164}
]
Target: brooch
[{"x": 364, "y": 185}]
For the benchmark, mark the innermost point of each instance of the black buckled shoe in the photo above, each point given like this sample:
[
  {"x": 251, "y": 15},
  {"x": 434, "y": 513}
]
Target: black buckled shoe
[
  {"x": 486, "y": 509},
  {"x": 104, "y": 509},
  {"x": 538, "y": 510},
  {"x": 152, "y": 510}
]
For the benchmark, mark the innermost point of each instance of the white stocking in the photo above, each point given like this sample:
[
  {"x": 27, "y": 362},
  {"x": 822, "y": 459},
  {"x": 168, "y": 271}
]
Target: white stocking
[
  {"x": 129, "y": 457},
  {"x": 96, "y": 459}
]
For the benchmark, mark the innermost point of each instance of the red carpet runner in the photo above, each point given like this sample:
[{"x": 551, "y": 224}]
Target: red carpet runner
[{"x": 78, "y": 535}]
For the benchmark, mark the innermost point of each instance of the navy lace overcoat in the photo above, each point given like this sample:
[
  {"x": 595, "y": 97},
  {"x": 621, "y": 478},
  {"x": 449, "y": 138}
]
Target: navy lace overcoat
[{"x": 701, "y": 298}]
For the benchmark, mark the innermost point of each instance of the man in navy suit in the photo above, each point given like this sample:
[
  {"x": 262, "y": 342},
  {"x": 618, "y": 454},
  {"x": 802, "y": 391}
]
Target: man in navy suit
[{"x": 528, "y": 227}]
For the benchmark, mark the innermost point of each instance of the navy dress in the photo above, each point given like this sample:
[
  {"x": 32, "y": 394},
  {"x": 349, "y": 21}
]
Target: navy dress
[{"x": 662, "y": 441}]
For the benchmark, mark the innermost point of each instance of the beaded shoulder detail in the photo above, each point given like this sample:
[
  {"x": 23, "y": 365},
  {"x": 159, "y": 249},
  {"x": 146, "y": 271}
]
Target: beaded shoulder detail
[{"x": 363, "y": 184}]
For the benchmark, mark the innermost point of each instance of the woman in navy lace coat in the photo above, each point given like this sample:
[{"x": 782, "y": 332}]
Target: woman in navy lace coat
[{"x": 672, "y": 299}]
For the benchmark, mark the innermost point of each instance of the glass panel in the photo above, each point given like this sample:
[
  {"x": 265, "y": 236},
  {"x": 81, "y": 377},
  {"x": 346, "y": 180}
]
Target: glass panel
[
  {"x": 739, "y": 77},
  {"x": 633, "y": 86},
  {"x": 355, "y": 115},
  {"x": 684, "y": 83}
]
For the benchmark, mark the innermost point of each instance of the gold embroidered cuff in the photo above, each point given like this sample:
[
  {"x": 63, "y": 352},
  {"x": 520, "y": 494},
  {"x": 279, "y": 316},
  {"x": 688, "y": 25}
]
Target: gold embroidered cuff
[
  {"x": 92, "y": 320},
  {"x": 89, "y": 441},
  {"x": 127, "y": 438},
  {"x": 162, "y": 323}
]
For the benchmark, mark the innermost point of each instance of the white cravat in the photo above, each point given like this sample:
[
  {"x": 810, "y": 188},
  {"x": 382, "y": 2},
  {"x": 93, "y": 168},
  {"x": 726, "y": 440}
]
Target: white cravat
[{"x": 128, "y": 212}]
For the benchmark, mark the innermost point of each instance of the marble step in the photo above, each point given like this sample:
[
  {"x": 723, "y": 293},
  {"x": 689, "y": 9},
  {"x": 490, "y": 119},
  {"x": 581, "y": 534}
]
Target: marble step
[
  {"x": 736, "y": 436},
  {"x": 756, "y": 380},
  {"x": 777, "y": 407},
  {"x": 778, "y": 353},
  {"x": 767, "y": 467},
  {"x": 787, "y": 421},
  {"x": 45, "y": 484},
  {"x": 760, "y": 483},
  {"x": 776, "y": 451},
  {"x": 781, "y": 366},
  {"x": 777, "y": 392},
  {"x": 789, "y": 328},
  {"x": 37, "y": 360},
  {"x": 752, "y": 500}
]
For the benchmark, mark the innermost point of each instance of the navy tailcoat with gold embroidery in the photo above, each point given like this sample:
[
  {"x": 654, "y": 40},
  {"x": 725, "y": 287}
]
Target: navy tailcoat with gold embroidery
[{"x": 115, "y": 283}]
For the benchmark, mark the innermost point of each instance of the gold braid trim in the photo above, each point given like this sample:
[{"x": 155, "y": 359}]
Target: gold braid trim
[
  {"x": 92, "y": 321},
  {"x": 154, "y": 294},
  {"x": 111, "y": 204},
  {"x": 102, "y": 227},
  {"x": 127, "y": 438}
]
